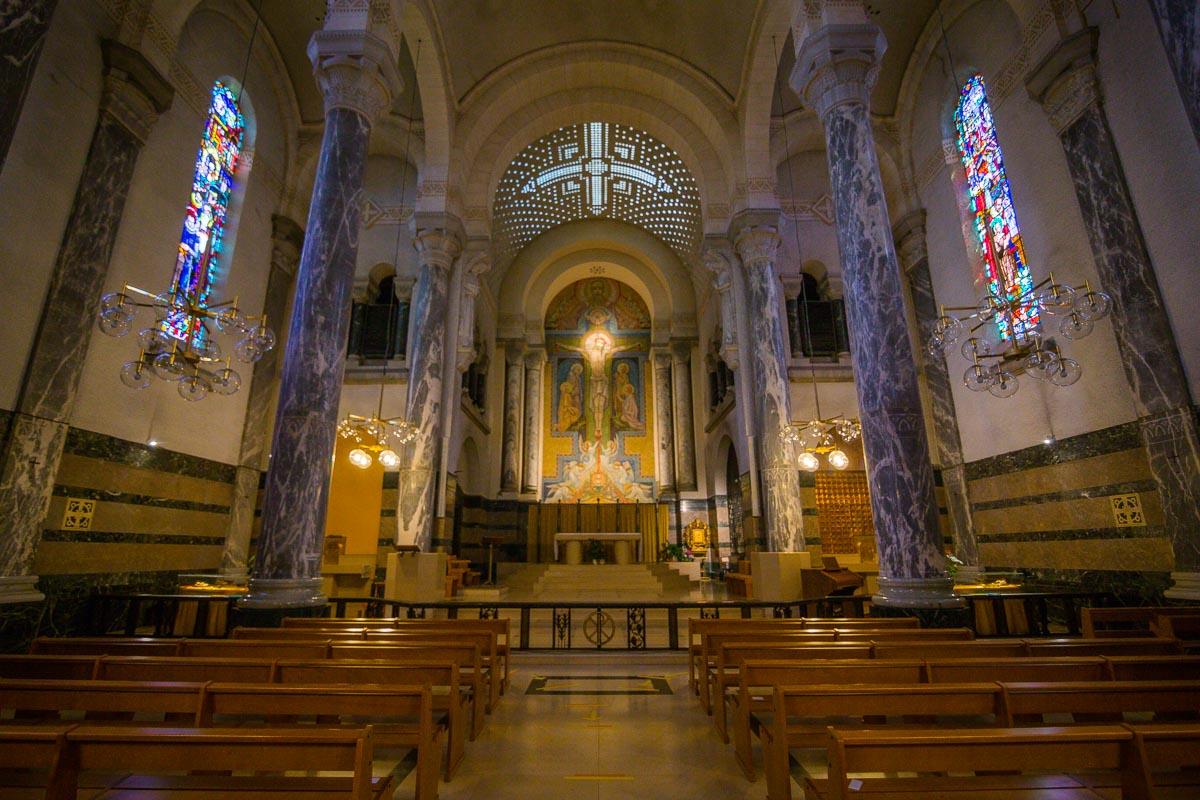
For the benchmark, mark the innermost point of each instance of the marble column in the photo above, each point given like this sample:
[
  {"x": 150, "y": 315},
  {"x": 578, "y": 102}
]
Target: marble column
[
  {"x": 510, "y": 446},
  {"x": 909, "y": 235},
  {"x": 1066, "y": 86},
  {"x": 287, "y": 241},
  {"x": 1179, "y": 26},
  {"x": 757, "y": 242},
  {"x": 531, "y": 474},
  {"x": 23, "y": 27},
  {"x": 402, "y": 288},
  {"x": 664, "y": 423},
  {"x": 685, "y": 431},
  {"x": 357, "y": 77},
  {"x": 835, "y": 68},
  {"x": 134, "y": 95},
  {"x": 438, "y": 243}
]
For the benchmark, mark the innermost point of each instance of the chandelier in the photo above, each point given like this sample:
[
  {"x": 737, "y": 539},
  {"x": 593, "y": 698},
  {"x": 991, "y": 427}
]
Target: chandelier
[
  {"x": 1006, "y": 338},
  {"x": 180, "y": 346},
  {"x": 822, "y": 437}
]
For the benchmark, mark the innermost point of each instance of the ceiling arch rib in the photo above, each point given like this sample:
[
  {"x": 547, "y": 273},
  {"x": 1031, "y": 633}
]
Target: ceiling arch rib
[{"x": 597, "y": 170}]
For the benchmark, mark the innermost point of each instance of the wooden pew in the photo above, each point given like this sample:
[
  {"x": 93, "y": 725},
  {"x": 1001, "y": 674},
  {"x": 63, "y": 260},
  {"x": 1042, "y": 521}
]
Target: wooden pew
[
  {"x": 1044, "y": 759},
  {"x": 874, "y": 705},
  {"x": 977, "y": 648},
  {"x": 1101, "y": 647},
  {"x": 1027, "y": 703},
  {"x": 66, "y": 668},
  {"x": 159, "y": 759},
  {"x": 853, "y": 623},
  {"x": 1169, "y": 760},
  {"x": 441, "y": 677},
  {"x": 465, "y": 656},
  {"x": 824, "y": 644},
  {"x": 112, "y": 701},
  {"x": 757, "y": 680},
  {"x": 1153, "y": 668},
  {"x": 959, "y": 670},
  {"x": 398, "y": 716},
  {"x": 233, "y": 648},
  {"x": 185, "y": 668},
  {"x": 731, "y": 655},
  {"x": 1185, "y": 628},
  {"x": 104, "y": 645},
  {"x": 699, "y": 628},
  {"x": 28, "y": 757},
  {"x": 905, "y": 635},
  {"x": 1097, "y": 623}
]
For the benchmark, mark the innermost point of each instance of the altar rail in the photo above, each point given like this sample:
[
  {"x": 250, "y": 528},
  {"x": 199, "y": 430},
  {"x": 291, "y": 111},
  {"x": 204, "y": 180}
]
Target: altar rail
[{"x": 608, "y": 625}]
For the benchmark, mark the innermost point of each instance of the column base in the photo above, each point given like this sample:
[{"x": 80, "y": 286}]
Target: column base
[
  {"x": 238, "y": 575},
  {"x": 917, "y": 593},
  {"x": 272, "y": 593},
  {"x": 969, "y": 574},
  {"x": 1186, "y": 586},
  {"x": 20, "y": 589}
]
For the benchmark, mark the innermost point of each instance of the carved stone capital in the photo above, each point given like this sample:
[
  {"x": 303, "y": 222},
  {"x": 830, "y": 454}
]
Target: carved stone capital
[
  {"x": 135, "y": 93},
  {"x": 402, "y": 287},
  {"x": 909, "y": 236},
  {"x": 1064, "y": 83},
  {"x": 838, "y": 64},
  {"x": 287, "y": 241},
  {"x": 355, "y": 70},
  {"x": 514, "y": 352},
  {"x": 758, "y": 244},
  {"x": 535, "y": 358},
  {"x": 681, "y": 350},
  {"x": 437, "y": 247},
  {"x": 662, "y": 360}
]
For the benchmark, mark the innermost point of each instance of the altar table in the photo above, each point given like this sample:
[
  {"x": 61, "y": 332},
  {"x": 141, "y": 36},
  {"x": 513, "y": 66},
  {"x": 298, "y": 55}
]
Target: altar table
[{"x": 621, "y": 545}]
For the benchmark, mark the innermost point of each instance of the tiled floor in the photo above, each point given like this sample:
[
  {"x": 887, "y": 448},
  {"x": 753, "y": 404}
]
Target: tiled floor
[{"x": 599, "y": 727}]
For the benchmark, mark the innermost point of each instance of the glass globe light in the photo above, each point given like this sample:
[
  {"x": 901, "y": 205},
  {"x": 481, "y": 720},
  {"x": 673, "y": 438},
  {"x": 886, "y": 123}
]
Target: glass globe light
[
  {"x": 1005, "y": 385},
  {"x": 135, "y": 375},
  {"x": 227, "y": 382},
  {"x": 389, "y": 459},
  {"x": 264, "y": 337},
  {"x": 193, "y": 389},
  {"x": 839, "y": 460},
  {"x": 247, "y": 350},
  {"x": 360, "y": 458},
  {"x": 1076, "y": 326},
  {"x": 808, "y": 461}
]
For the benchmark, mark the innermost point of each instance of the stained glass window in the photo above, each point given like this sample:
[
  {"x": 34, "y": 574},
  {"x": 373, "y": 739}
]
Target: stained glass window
[
  {"x": 204, "y": 220},
  {"x": 1006, "y": 272}
]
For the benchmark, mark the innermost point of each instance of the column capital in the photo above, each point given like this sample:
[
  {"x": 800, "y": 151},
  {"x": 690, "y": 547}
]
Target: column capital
[
  {"x": 534, "y": 358},
  {"x": 135, "y": 92},
  {"x": 717, "y": 257},
  {"x": 1064, "y": 82},
  {"x": 514, "y": 351},
  {"x": 438, "y": 241},
  {"x": 661, "y": 357},
  {"x": 355, "y": 70},
  {"x": 909, "y": 235},
  {"x": 681, "y": 350},
  {"x": 757, "y": 244},
  {"x": 837, "y": 64},
  {"x": 402, "y": 287},
  {"x": 287, "y": 242}
]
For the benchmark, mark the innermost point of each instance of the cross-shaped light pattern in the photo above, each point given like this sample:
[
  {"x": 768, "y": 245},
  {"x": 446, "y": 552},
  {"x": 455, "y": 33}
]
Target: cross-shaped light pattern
[{"x": 597, "y": 169}]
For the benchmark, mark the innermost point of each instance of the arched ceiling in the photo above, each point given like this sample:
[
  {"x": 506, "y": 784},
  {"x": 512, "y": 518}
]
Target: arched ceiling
[{"x": 597, "y": 170}]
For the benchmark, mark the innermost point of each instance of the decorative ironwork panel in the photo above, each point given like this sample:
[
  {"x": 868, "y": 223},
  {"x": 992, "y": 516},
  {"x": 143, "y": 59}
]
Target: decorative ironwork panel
[
  {"x": 415, "y": 612},
  {"x": 709, "y": 613},
  {"x": 489, "y": 612},
  {"x": 599, "y": 628},
  {"x": 562, "y": 629},
  {"x": 636, "y": 628}
]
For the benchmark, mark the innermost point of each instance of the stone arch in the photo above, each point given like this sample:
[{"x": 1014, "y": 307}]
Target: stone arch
[
  {"x": 566, "y": 253},
  {"x": 758, "y": 91},
  {"x": 437, "y": 105},
  {"x": 601, "y": 81}
]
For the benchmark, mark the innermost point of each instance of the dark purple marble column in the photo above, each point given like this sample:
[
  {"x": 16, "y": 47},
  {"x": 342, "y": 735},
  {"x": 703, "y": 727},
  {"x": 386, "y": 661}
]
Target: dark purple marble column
[
  {"x": 352, "y": 68},
  {"x": 438, "y": 243},
  {"x": 909, "y": 235},
  {"x": 1065, "y": 84},
  {"x": 134, "y": 95},
  {"x": 757, "y": 243},
  {"x": 835, "y": 69},
  {"x": 287, "y": 241},
  {"x": 23, "y": 26},
  {"x": 1179, "y": 26}
]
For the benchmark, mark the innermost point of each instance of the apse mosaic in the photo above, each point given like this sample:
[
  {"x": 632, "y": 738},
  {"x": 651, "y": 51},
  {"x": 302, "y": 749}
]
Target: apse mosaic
[{"x": 598, "y": 437}]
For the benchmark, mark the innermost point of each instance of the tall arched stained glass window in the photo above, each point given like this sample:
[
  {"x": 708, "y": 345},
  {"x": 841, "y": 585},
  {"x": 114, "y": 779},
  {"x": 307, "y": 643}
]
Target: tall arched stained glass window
[
  {"x": 204, "y": 220},
  {"x": 1006, "y": 272}
]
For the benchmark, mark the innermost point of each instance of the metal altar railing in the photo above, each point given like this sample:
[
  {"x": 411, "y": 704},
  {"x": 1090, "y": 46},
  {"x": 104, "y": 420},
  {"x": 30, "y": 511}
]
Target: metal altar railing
[{"x": 548, "y": 625}]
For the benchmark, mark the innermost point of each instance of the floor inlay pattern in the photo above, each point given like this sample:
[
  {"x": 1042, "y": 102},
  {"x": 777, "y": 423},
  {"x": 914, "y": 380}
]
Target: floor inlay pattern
[{"x": 599, "y": 684}]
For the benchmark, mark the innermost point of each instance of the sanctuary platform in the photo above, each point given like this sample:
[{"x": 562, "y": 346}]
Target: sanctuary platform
[{"x": 605, "y": 583}]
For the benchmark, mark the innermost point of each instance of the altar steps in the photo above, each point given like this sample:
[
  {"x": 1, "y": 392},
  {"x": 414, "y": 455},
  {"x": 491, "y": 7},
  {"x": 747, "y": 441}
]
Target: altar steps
[{"x": 598, "y": 582}]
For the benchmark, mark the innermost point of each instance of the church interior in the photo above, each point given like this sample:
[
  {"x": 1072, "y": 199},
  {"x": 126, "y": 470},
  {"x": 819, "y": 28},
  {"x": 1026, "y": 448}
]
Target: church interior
[{"x": 674, "y": 398}]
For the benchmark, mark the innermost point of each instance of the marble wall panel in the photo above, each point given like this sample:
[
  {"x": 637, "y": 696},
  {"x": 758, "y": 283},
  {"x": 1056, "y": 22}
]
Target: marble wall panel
[
  {"x": 1083, "y": 513},
  {"x": 114, "y": 557},
  {"x": 1147, "y": 555},
  {"x": 105, "y": 475}
]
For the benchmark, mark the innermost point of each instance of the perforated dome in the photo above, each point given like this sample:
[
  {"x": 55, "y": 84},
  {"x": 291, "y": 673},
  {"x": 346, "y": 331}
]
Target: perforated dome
[{"x": 597, "y": 170}]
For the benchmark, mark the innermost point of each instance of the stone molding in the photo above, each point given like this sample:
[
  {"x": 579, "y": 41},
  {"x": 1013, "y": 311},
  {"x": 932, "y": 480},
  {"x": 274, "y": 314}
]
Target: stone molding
[
  {"x": 514, "y": 351},
  {"x": 402, "y": 287},
  {"x": 681, "y": 350},
  {"x": 437, "y": 247},
  {"x": 838, "y": 64},
  {"x": 135, "y": 92},
  {"x": 1065, "y": 82},
  {"x": 355, "y": 70}
]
